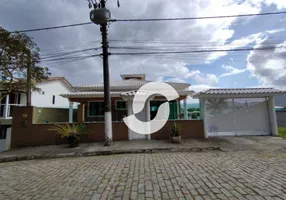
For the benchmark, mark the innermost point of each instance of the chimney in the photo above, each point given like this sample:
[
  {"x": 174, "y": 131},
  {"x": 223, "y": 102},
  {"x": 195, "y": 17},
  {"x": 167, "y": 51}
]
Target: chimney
[{"x": 133, "y": 76}]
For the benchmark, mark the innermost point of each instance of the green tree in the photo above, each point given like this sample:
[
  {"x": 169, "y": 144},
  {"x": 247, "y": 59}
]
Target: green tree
[
  {"x": 19, "y": 59},
  {"x": 193, "y": 109}
]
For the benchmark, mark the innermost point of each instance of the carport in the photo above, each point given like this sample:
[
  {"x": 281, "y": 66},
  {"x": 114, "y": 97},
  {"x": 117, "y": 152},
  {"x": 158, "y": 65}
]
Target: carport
[{"x": 239, "y": 111}]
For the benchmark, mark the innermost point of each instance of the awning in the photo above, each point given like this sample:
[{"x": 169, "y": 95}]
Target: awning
[{"x": 238, "y": 93}]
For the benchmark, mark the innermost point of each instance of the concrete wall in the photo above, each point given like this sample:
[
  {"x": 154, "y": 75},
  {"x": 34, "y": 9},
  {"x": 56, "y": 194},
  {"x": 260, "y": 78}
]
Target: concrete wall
[
  {"x": 25, "y": 133},
  {"x": 51, "y": 115},
  {"x": 281, "y": 118},
  {"x": 189, "y": 128}
]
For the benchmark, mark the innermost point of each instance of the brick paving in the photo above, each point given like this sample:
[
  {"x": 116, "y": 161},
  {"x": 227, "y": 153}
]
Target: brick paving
[{"x": 188, "y": 175}]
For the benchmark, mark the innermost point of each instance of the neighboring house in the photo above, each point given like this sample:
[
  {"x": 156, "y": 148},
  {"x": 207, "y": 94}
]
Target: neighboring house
[
  {"x": 91, "y": 99},
  {"x": 48, "y": 97},
  {"x": 237, "y": 112}
]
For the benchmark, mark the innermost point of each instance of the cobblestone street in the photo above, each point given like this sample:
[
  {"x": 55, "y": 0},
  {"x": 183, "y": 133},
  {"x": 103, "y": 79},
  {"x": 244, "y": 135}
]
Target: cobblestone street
[{"x": 189, "y": 175}]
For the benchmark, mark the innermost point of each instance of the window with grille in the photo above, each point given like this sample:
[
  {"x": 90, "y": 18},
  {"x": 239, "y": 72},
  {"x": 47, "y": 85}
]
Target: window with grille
[{"x": 96, "y": 109}]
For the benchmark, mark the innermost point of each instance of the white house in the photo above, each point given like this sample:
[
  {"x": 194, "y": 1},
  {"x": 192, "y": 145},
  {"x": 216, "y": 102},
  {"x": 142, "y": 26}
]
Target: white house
[{"x": 48, "y": 97}]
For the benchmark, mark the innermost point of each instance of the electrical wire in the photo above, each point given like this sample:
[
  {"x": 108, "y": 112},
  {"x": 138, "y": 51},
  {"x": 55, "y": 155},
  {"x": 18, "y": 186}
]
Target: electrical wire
[
  {"x": 197, "y": 51},
  {"x": 60, "y": 54},
  {"x": 196, "y": 18},
  {"x": 152, "y": 19},
  {"x": 69, "y": 58}
]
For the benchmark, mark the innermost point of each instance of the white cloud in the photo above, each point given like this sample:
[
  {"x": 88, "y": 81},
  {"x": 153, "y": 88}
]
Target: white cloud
[
  {"x": 198, "y": 33},
  {"x": 269, "y": 67},
  {"x": 238, "y": 43},
  {"x": 175, "y": 80},
  {"x": 201, "y": 87},
  {"x": 275, "y": 31},
  {"x": 206, "y": 79},
  {"x": 231, "y": 71}
]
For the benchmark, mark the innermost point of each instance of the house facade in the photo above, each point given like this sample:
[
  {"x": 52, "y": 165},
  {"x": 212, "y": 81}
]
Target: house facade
[
  {"x": 47, "y": 97},
  {"x": 91, "y": 101}
]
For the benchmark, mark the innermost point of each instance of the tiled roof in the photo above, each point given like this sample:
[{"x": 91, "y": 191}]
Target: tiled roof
[
  {"x": 133, "y": 93},
  {"x": 238, "y": 91},
  {"x": 89, "y": 94},
  {"x": 124, "y": 94},
  {"x": 127, "y": 84}
]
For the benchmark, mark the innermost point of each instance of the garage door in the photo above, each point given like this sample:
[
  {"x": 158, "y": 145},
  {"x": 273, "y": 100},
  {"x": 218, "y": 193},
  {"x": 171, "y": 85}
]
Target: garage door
[{"x": 237, "y": 117}]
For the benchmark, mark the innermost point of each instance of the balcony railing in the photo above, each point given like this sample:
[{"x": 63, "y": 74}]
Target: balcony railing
[{"x": 7, "y": 110}]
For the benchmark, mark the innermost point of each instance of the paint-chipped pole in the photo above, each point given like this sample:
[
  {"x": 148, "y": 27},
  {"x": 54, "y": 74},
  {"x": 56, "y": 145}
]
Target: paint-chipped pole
[{"x": 101, "y": 16}]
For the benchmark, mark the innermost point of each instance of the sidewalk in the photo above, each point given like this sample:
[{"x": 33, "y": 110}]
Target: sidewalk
[{"x": 144, "y": 146}]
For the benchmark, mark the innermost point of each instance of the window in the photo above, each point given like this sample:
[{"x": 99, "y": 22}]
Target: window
[
  {"x": 120, "y": 105},
  {"x": 96, "y": 109},
  {"x": 19, "y": 98},
  {"x": 54, "y": 99}
]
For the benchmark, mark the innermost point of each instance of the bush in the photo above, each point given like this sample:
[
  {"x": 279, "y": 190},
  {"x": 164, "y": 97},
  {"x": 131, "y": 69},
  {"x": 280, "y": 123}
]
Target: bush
[
  {"x": 282, "y": 132},
  {"x": 175, "y": 130}
]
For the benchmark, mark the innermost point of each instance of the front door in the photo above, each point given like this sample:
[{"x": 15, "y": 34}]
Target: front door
[{"x": 140, "y": 116}]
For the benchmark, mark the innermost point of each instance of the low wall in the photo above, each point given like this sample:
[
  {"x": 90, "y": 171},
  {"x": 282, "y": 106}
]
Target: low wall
[
  {"x": 189, "y": 128},
  {"x": 25, "y": 133}
]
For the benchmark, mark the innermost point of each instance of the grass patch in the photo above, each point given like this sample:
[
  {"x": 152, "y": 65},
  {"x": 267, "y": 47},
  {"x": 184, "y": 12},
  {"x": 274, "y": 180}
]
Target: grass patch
[{"x": 282, "y": 132}]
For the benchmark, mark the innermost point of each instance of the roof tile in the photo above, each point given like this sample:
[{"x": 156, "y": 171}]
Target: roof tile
[{"x": 238, "y": 91}]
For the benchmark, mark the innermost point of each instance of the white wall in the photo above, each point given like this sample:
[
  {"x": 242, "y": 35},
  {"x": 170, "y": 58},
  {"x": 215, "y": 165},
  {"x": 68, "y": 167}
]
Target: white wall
[
  {"x": 23, "y": 99},
  {"x": 51, "y": 88}
]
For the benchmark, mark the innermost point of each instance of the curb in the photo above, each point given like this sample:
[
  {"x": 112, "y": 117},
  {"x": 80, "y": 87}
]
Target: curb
[{"x": 104, "y": 153}]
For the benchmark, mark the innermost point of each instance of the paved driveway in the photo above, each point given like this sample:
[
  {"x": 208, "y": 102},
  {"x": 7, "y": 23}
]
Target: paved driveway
[{"x": 189, "y": 175}]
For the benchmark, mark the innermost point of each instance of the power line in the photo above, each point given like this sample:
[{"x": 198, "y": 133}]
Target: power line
[
  {"x": 59, "y": 49},
  {"x": 197, "y": 51},
  {"x": 52, "y": 27},
  {"x": 65, "y": 53},
  {"x": 151, "y": 19},
  {"x": 195, "y": 18},
  {"x": 69, "y": 58}
]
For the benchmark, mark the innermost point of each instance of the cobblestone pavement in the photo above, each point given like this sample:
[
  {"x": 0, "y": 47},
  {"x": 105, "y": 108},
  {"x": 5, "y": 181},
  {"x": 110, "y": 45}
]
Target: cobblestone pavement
[{"x": 189, "y": 175}]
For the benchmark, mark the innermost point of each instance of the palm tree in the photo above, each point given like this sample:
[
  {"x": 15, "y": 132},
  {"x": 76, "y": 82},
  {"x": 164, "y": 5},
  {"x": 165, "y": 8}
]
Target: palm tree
[{"x": 216, "y": 106}]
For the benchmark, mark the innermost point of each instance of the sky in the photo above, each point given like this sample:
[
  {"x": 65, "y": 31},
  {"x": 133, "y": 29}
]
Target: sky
[{"x": 202, "y": 70}]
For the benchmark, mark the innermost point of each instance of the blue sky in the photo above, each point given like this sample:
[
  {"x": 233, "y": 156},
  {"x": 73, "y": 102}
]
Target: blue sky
[{"x": 203, "y": 70}]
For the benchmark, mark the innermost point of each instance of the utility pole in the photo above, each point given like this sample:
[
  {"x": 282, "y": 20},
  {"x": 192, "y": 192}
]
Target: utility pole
[
  {"x": 28, "y": 83},
  {"x": 100, "y": 16},
  {"x": 107, "y": 101}
]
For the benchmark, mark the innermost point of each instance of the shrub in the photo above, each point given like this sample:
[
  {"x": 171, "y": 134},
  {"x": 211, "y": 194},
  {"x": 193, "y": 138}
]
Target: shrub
[
  {"x": 71, "y": 132},
  {"x": 282, "y": 132}
]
